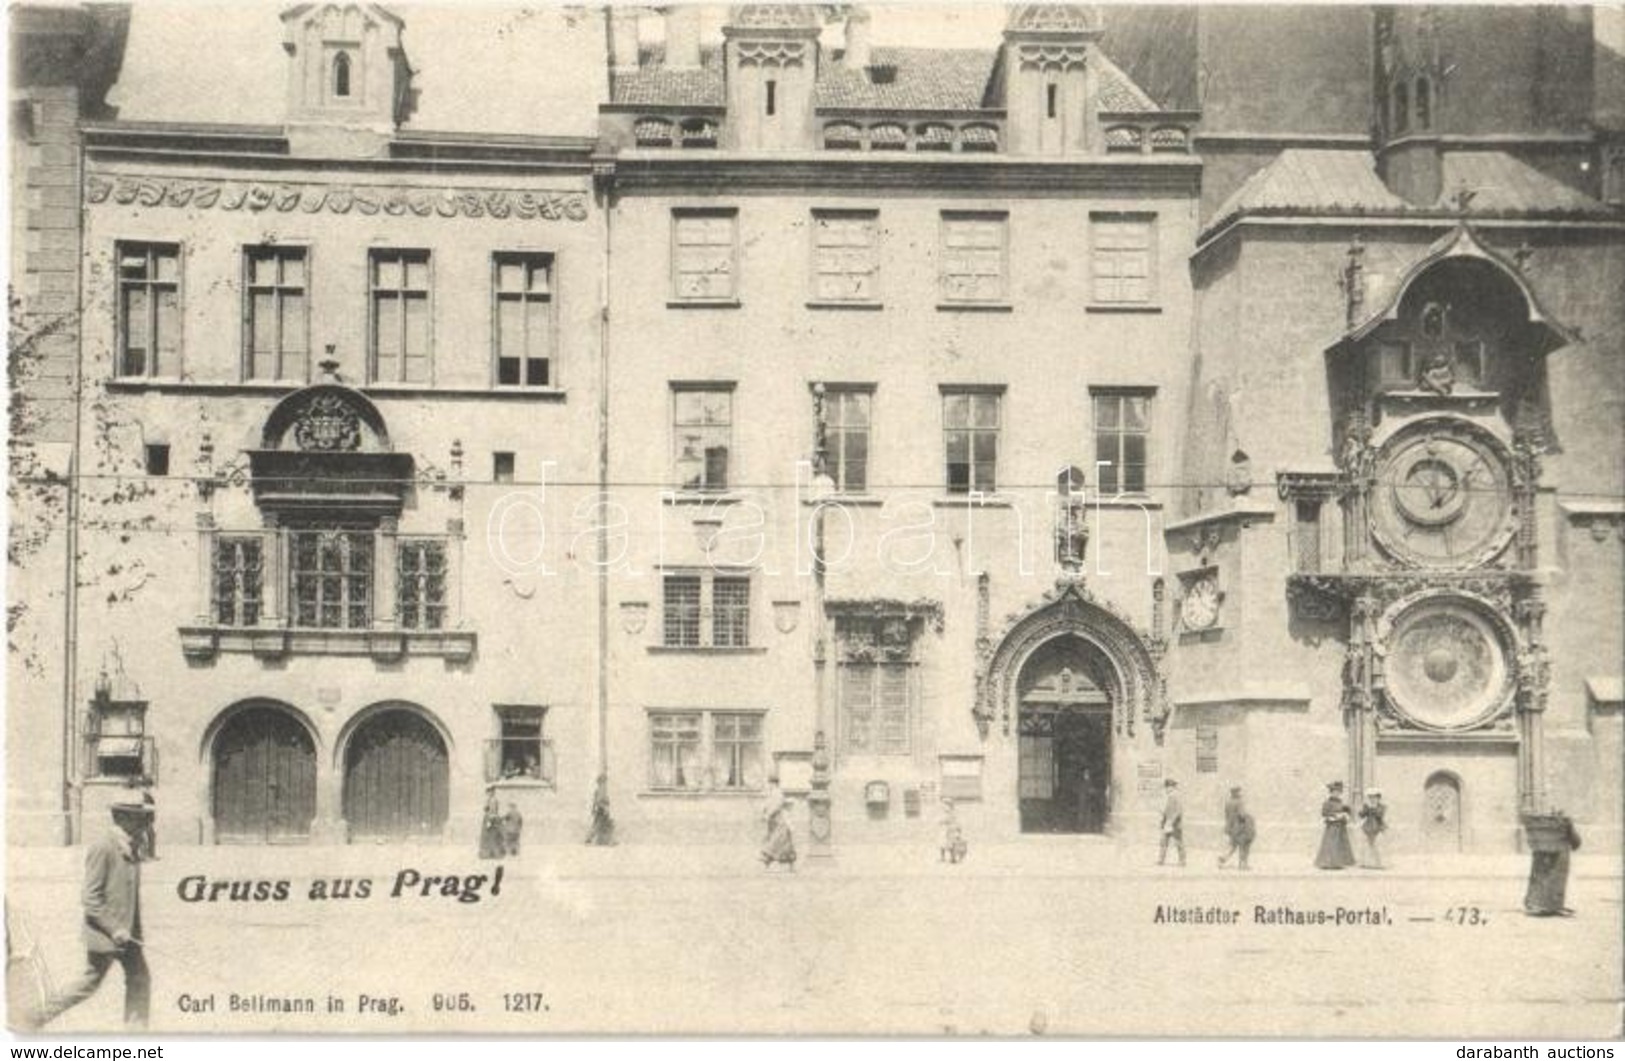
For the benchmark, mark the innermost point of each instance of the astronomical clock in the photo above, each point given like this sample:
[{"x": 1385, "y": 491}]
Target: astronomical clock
[{"x": 1443, "y": 496}]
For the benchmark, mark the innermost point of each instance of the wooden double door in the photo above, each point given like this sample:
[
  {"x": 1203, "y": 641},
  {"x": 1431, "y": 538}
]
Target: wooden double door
[
  {"x": 264, "y": 784},
  {"x": 396, "y": 778}
]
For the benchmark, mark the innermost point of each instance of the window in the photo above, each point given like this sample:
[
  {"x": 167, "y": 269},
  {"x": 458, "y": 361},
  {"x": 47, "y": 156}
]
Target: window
[
  {"x": 149, "y": 309},
  {"x": 971, "y": 433},
  {"x": 158, "y": 459},
  {"x": 845, "y": 262},
  {"x": 702, "y": 430},
  {"x": 1122, "y": 438},
  {"x": 239, "y": 580},
  {"x": 341, "y": 76},
  {"x": 706, "y": 611},
  {"x": 704, "y": 255},
  {"x": 332, "y": 578},
  {"x": 520, "y": 753},
  {"x": 730, "y": 612},
  {"x": 420, "y": 583},
  {"x": 674, "y": 753},
  {"x": 682, "y": 611},
  {"x": 400, "y": 316},
  {"x": 1395, "y": 363},
  {"x": 736, "y": 751},
  {"x": 524, "y": 320},
  {"x": 502, "y": 466},
  {"x": 707, "y": 751},
  {"x": 278, "y": 327},
  {"x": 1424, "y": 104},
  {"x": 1402, "y": 108},
  {"x": 846, "y": 423},
  {"x": 772, "y": 97},
  {"x": 1308, "y": 535},
  {"x": 973, "y": 267},
  {"x": 1121, "y": 261},
  {"x": 877, "y": 705}
]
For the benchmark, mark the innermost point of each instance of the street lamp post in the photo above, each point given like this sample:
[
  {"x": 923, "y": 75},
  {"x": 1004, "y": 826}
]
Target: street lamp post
[{"x": 818, "y": 799}]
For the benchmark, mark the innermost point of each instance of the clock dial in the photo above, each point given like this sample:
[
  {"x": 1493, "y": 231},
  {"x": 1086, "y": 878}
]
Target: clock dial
[
  {"x": 1446, "y": 666},
  {"x": 1442, "y": 498},
  {"x": 1200, "y": 609}
]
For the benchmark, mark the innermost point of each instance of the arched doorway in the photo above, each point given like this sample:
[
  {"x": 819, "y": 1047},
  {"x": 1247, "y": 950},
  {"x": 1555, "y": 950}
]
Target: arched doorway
[
  {"x": 263, "y": 777},
  {"x": 396, "y": 777},
  {"x": 1441, "y": 813},
  {"x": 1064, "y": 727}
]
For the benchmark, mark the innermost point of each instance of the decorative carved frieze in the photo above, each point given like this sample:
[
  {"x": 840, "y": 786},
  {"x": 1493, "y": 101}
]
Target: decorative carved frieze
[
  {"x": 1052, "y": 56},
  {"x": 770, "y": 53},
  {"x": 872, "y": 631},
  {"x": 499, "y": 204}
]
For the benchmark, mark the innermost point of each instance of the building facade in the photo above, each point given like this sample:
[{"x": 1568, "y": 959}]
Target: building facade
[{"x": 738, "y": 406}]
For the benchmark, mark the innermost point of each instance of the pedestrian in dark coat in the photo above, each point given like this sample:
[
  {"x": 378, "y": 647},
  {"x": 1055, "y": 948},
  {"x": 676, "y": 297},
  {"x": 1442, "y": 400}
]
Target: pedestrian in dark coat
[
  {"x": 512, "y": 823},
  {"x": 1549, "y": 866},
  {"x": 1173, "y": 823},
  {"x": 491, "y": 845},
  {"x": 1373, "y": 823},
  {"x": 1239, "y": 829},
  {"x": 112, "y": 930},
  {"x": 602, "y": 831},
  {"x": 1335, "y": 850},
  {"x": 953, "y": 835}
]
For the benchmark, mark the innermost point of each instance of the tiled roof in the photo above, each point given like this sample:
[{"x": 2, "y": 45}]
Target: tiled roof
[
  {"x": 1342, "y": 182},
  {"x": 652, "y": 84},
  {"x": 909, "y": 79},
  {"x": 897, "y": 79},
  {"x": 1503, "y": 184}
]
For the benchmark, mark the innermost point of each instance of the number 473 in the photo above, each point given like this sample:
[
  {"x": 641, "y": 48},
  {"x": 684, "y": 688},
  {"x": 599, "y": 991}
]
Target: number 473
[{"x": 1466, "y": 915}]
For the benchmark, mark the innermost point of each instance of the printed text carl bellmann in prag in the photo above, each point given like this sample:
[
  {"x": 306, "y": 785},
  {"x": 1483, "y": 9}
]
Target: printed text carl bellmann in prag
[{"x": 1331, "y": 916}]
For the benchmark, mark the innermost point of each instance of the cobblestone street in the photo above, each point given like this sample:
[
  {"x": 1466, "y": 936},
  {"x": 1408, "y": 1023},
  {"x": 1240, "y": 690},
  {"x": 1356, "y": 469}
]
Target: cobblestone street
[{"x": 1059, "y": 938}]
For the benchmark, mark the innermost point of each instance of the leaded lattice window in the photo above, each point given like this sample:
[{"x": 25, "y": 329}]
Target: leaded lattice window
[
  {"x": 239, "y": 580},
  {"x": 420, "y": 583},
  {"x": 332, "y": 578}
]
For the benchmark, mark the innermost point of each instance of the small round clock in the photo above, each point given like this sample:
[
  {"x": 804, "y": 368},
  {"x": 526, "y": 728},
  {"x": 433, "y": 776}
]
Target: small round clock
[
  {"x": 1200, "y": 608},
  {"x": 1443, "y": 497}
]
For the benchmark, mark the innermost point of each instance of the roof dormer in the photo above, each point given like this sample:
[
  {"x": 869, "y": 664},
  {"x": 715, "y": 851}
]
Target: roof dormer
[{"x": 347, "y": 77}]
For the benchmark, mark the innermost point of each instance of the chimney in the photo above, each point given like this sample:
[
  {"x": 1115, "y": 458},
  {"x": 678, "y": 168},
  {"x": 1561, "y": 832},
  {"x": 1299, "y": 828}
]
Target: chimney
[
  {"x": 683, "y": 37},
  {"x": 858, "y": 33},
  {"x": 623, "y": 39}
]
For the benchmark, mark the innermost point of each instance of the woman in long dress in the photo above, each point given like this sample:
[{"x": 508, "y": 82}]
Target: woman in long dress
[
  {"x": 491, "y": 845},
  {"x": 1549, "y": 872},
  {"x": 780, "y": 845},
  {"x": 1335, "y": 850}
]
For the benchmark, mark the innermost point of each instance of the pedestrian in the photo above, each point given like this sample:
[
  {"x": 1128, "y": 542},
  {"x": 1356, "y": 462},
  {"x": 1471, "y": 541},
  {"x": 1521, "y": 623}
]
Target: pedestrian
[
  {"x": 954, "y": 847},
  {"x": 512, "y": 823},
  {"x": 602, "y": 831},
  {"x": 148, "y": 845},
  {"x": 491, "y": 828},
  {"x": 1173, "y": 823},
  {"x": 1239, "y": 829},
  {"x": 780, "y": 843},
  {"x": 1373, "y": 823},
  {"x": 1335, "y": 850},
  {"x": 1552, "y": 840},
  {"x": 112, "y": 929}
]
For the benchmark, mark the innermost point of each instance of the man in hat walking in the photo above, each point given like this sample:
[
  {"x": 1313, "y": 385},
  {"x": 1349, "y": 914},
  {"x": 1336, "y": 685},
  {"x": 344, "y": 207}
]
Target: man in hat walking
[
  {"x": 1238, "y": 828},
  {"x": 112, "y": 902},
  {"x": 1173, "y": 823}
]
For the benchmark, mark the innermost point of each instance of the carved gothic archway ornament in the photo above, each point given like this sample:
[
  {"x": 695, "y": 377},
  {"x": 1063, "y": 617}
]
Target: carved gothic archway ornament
[
  {"x": 1449, "y": 663},
  {"x": 326, "y": 445},
  {"x": 1134, "y": 679}
]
